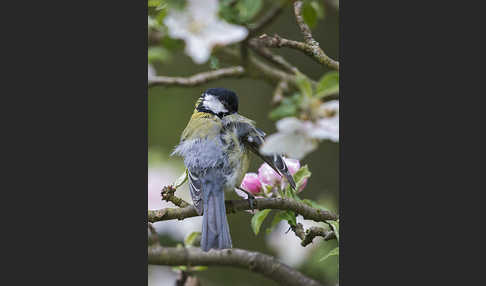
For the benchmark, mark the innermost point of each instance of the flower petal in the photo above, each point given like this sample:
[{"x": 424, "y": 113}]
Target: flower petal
[
  {"x": 292, "y": 164},
  {"x": 290, "y": 144},
  {"x": 198, "y": 49},
  {"x": 290, "y": 125},
  {"x": 251, "y": 183},
  {"x": 267, "y": 175},
  {"x": 326, "y": 128}
]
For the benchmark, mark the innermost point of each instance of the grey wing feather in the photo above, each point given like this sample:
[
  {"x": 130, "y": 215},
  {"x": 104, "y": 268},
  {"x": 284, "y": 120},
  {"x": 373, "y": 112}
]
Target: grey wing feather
[{"x": 195, "y": 189}]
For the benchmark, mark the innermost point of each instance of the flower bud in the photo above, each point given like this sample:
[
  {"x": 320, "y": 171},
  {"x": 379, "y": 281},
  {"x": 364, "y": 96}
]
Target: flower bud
[
  {"x": 267, "y": 175},
  {"x": 251, "y": 183},
  {"x": 293, "y": 165}
]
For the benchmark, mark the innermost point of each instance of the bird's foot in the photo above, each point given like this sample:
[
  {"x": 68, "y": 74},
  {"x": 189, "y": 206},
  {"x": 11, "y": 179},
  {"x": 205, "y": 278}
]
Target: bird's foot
[{"x": 251, "y": 198}]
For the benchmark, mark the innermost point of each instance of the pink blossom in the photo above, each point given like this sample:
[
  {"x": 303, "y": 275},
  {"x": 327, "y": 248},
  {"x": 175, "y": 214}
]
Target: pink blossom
[
  {"x": 267, "y": 175},
  {"x": 251, "y": 183},
  {"x": 293, "y": 165}
]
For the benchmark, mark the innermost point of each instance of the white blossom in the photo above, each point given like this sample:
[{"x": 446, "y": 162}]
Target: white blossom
[
  {"x": 199, "y": 26},
  {"x": 328, "y": 127},
  {"x": 287, "y": 245},
  {"x": 297, "y": 138}
]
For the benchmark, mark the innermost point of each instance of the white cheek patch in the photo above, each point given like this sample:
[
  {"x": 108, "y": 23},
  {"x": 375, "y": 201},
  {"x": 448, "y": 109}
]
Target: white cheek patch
[{"x": 213, "y": 104}]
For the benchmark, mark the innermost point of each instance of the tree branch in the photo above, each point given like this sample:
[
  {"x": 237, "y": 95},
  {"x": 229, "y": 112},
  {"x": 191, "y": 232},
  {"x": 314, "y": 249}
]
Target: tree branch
[
  {"x": 317, "y": 231},
  {"x": 168, "y": 195},
  {"x": 196, "y": 79},
  {"x": 253, "y": 261},
  {"x": 313, "y": 46},
  {"x": 259, "y": 70},
  {"x": 233, "y": 206},
  {"x": 313, "y": 51},
  {"x": 308, "y": 235},
  {"x": 263, "y": 22},
  {"x": 276, "y": 59},
  {"x": 304, "y": 28}
]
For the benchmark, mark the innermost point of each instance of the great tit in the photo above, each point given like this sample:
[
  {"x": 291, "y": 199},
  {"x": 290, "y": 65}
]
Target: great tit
[{"x": 215, "y": 146}]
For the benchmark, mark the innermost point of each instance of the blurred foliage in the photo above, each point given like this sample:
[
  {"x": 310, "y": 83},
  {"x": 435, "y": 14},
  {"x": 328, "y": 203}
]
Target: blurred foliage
[
  {"x": 158, "y": 54},
  {"x": 308, "y": 97},
  {"x": 239, "y": 12},
  {"x": 313, "y": 11}
]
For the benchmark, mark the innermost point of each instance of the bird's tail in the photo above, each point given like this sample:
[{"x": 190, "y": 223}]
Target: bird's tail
[{"x": 215, "y": 228}]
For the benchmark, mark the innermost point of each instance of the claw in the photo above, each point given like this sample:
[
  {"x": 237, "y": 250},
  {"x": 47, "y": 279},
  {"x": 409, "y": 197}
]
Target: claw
[{"x": 251, "y": 198}]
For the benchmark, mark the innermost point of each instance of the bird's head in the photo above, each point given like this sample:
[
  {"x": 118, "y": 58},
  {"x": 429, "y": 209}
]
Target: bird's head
[{"x": 218, "y": 101}]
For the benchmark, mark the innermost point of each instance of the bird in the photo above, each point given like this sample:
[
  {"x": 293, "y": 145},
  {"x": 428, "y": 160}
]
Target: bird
[{"x": 215, "y": 147}]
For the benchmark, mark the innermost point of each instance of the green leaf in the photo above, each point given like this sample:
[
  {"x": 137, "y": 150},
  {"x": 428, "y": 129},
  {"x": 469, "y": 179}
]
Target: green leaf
[
  {"x": 213, "y": 62},
  {"x": 191, "y": 238},
  {"x": 335, "y": 227},
  {"x": 301, "y": 175},
  {"x": 191, "y": 268},
  {"x": 304, "y": 84},
  {"x": 279, "y": 216},
  {"x": 312, "y": 11},
  {"x": 176, "y": 4},
  {"x": 283, "y": 110},
  {"x": 257, "y": 220},
  {"x": 333, "y": 252},
  {"x": 155, "y": 3},
  {"x": 290, "y": 217},
  {"x": 288, "y": 107},
  {"x": 309, "y": 14},
  {"x": 181, "y": 180},
  {"x": 328, "y": 84},
  {"x": 172, "y": 44},
  {"x": 181, "y": 268},
  {"x": 319, "y": 8},
  {"x": 313, "y": 204},
  {"x": 160, "y": 16},
  {"x": 248, "y": 9},
  {"x": 227, "y": 11},
  {"x": 158, "y": 54}
]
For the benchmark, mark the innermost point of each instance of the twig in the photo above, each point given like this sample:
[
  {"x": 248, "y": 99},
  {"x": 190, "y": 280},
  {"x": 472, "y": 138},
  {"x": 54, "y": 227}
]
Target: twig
[
  {"x": 264, "y": 21},
  {"x": 259, "y": 70},
  {"x": 279, "y": 60},
  {"x": 167, "y": 194},
  {"x": 281, "y": 87},
  {"x": 298, "y": 230},
  {"x": 315, "y": 50},
  {"x": 304, "y": 28},
  {"x": 196, "y": 79},
  {"x": 253, "y": 261},
  {"x": 308, "y": 235},
  {"x": 233, "y": 206},
  {"x": 317, "y": 231}
]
